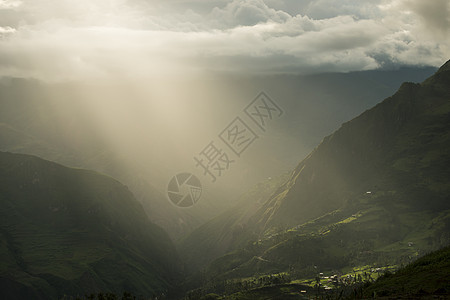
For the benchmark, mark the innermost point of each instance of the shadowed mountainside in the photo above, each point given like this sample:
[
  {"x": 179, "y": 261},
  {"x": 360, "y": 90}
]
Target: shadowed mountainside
[
  {"x": 374, "y": 192},
  {"x": 72, "y": 231}
]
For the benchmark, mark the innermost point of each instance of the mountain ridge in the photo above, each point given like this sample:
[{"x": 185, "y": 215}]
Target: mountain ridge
[
  {"x": 391, "y": 115},
  {"x": 73, "y": 232},
  {"x": 379, "y": 181}
]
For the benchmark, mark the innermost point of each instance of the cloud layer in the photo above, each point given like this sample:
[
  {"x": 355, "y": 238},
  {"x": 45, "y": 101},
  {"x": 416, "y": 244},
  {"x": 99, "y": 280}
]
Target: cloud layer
[{"x": 62, "y": 39}]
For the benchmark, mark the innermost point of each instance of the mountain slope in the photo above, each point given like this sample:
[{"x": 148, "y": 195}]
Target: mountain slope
[
  {"x": 72, "y": 231},
  {"x": 374, "y": 193},
  {"x": 401, "y": 144},
  {"x": 376, "y": 151},
  {"x": 425, "y": 277}
]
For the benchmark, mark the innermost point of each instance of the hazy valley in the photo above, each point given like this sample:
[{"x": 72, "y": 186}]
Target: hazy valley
[
  {"x": 372, "y": 195},
  {"x": 224, "y": 149}
]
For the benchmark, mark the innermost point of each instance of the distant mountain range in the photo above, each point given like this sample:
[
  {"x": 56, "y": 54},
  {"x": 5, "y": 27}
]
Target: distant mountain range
[
  {"x": 375, "y": 192},
  {"x": 63, "y": 122},
  {"x": 74, "y": 232}
]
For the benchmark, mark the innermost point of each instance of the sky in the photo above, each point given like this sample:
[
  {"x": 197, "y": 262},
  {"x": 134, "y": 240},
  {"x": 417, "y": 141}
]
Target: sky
[{"x": 68, "y": 40}]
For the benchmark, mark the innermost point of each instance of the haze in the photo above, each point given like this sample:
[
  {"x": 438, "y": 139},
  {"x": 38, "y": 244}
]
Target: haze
[{"x": 148, "y": 84}]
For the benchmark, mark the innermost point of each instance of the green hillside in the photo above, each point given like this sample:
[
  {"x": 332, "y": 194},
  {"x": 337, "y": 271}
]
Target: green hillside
[
  {"x": 426, "y": 278},
  {"x": 373, "y": 195},
  {"x": 72, "y": 231},
  {"x": 429, "y": 275},
  {"x": 399, "y": 145}
]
